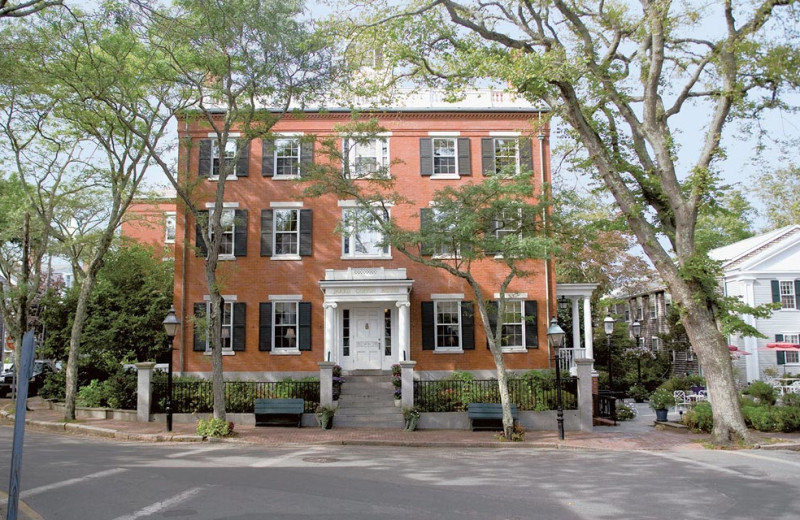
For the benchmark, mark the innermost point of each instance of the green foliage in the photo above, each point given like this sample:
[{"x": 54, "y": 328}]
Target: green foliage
[
  {"x": 662, "y": 399},
  {"x": 625, "y": 412},
  {"x": 791, "y": 399},
  {"x": 213, "y": 427},
  {"x": 638, "y": 393},
  {"x": 760, "y": 418},
  {"x": 765, "y": 393},
  {"x": 91, "y": 395},
  {"x": 725, "y": 221},
  {"x": 684, "y": 383},
  {"x": 699, "y": 418},
  {"x": 54, "y": 386},
  {"x": 117, "y": 392},
  {"x": 777, "y": 191}
]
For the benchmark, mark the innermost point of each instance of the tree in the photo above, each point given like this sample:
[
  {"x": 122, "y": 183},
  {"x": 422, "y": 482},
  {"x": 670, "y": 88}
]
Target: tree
[
  {"x": 619, "y": 76},
  {"x": 496, "y": 221},
  {"x": 727, "y": 221},
  {"x": 26, "y": 8},
  {"x": 778, "y": 192}
]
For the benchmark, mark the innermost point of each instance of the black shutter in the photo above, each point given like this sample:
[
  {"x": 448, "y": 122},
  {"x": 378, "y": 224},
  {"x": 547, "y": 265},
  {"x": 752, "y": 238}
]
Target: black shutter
[
  {"x": 243, "y": 163},
  {"x": 526, "y": 155},
  {"x": 776, "y": 291},
  {"x": 306, "y": 158},
  {"x": 487, "y": 156},
  {"x": 490, "y": 238},
  {"x": 267, "y": 158},
  {"x": 199, "y": 337},
  {"x": 266, "y": 232},
  {"x": 797, "y": 294},
  {"x": 491, "y": 310},
  {"x": 426, "y": 157},
  {"x": 199, "y": 242},
  {"x": 304, "y": 325},
  {"x": 425, "y": 223},
  {"x": 781, "y": 354},
  {"x": 240, "y": 233},
  {"x": 467, "y": 326},
  {"x": 428, "y": 332},
  {"x": 265, "y": 327},
  {"x": 204, "y": 163},
  {"x": 305, "y": 232},
  {"x": 531, "y": 325},
  {"x": 778, "y": 338},
  {"x": 464, "y": 159},
  {"x": 239, "y": 317}
]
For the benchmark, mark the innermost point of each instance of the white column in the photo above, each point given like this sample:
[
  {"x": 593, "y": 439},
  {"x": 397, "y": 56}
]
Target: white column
[
  {"x": 144, "y": 390},
  {"x": 753, "y": 366},
  {"x": 576, "y": 326},
  {"x": 330, "y": 324},
  {"x": 403, "y": 332},
  {"x": 587, "y": 327}
]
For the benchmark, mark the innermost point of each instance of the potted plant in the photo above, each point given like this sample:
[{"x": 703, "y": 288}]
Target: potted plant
[
  {"x": 325, "y": 416},
  {"x": 411, "y": 418},
  {"x": 660, "y": 401},
  {"x": 638, "y": 393},
  {"x": 398, "y": 396},
  {"x": 397, "y": 383},
  {"x": 337, "y": 382}
]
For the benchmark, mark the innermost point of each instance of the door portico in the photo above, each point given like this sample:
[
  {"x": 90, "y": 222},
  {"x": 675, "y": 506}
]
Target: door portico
[{"x": 366, "y": 317}]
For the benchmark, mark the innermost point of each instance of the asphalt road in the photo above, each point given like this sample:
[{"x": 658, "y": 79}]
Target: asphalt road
[{"x": 90, "y": 479}]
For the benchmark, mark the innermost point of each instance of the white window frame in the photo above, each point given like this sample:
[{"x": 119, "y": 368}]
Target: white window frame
[
  {"x": 283, "y": 346},
  {"x": 786, "y": 303},
  {"x": 227, "y": 309},
  {"x": 349, "y": 237},
  {"x": 655, "y": 343},
  {"x": 223, "y": 255},
  {"x": 504, "y": 324},
  {"x": 653, "y": 308},
  {"x": 437, "y": 324},
  {"x": 376, "y": 148},
  {"x": 170, "y": 216},
  {"x": 504, "y": 158},
  {"x": 296, "y": 145},
  {"x": 296, "y": 232},
  {"x": 439, "y": 251},
  {"x": 230, "y": 154},
  {"x": 435, "y": 172},
  {"x": 792, "y": 337},
  {"x": 499, "y": 233}
]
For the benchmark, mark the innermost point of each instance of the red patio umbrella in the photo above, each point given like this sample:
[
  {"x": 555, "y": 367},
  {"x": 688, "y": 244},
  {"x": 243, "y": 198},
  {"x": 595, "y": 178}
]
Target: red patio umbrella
[
  {"x": 782, "y": 346},
  {"x": 736, "y": 352}
]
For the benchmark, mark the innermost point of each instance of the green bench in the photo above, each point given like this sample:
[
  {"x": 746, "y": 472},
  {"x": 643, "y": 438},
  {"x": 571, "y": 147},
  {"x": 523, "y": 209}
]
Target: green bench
[
  {"x": 488, "y": 416},
  {"x": 279, "y": 412}
]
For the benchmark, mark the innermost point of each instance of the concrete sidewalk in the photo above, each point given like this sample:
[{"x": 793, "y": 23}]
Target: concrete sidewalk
[{"x": 638, "y": 434}]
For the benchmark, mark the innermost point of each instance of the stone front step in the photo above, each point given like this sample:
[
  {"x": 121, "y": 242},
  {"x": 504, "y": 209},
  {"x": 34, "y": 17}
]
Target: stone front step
[
  {"x": 367, "y": 401},
  {"x": 368, "y": 421}
]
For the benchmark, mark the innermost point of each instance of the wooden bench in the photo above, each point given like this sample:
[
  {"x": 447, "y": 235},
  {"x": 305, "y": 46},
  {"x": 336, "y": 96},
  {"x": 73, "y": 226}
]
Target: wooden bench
[
  {"x": 279, "y": 412},
  {"x": 488, "y": 416}
]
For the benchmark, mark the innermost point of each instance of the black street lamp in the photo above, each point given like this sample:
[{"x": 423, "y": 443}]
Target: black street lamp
[
  {"x": 555, "y": 336},
  {"x": 171, "y": 325},
  {"x": 608, "y": 326},
  {"x": 636, "y": 328}
]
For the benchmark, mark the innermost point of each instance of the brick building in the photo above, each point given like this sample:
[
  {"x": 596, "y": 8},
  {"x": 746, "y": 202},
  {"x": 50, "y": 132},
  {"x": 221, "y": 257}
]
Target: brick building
[
  {"x": 152, "y": 222},
  {"x": 298, "y": 292}
]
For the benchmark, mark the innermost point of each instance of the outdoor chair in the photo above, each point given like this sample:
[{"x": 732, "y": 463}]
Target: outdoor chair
[{"x": 681, "y": 401}]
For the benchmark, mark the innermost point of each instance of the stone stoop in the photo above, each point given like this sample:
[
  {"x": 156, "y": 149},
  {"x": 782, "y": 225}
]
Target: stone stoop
[{"x": 367, "y": 401}]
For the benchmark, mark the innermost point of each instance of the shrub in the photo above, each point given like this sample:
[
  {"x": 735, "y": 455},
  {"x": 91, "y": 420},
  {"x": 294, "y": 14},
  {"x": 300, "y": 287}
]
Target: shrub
[
  {"x": 787, "y": 418},
  {"x": 662, "y": 399},
  {"x": 638, "y": 393},
  {"x": 760, "y": 418},
  {"x": 92, "y": 395},
  {"x": 120, "y": 389},
  {"x": 683, "y": 383},
  {"x": 54, "y": 386},
  {"x": 625, "y": 412},
  {"x": 212, "y": 427},
  {"x": 762, "y": 391},
  {"x": 699, "y": 418},
  {"x": 791, "y": 399}
]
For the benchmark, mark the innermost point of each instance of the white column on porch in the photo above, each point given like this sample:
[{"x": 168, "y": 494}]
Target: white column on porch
[
  {"x": 587, "y": 327},
  {"x": 576, "y": 326},
  {"x": 330, "y": 324},
  {"x": 752, "y": 363},
  {"x": 403, "y": 332}
]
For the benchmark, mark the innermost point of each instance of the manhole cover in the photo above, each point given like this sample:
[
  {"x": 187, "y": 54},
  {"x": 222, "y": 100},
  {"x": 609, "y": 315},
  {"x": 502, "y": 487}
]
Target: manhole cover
[{"x": 320, "y": 460}]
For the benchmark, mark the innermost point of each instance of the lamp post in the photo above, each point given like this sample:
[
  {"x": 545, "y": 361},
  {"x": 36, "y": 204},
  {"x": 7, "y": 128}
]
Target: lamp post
[
  {"x": 608, "y": 326},
  {"x": 555, "y": 335},
  {"x": 171, "y": 325},
  {"x": 636, "y": 328}
]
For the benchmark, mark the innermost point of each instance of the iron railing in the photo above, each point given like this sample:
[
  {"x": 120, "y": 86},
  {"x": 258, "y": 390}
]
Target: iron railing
[
  {"x": 605, "y": 406},
  {"x": 455, "y": 395},
  {"x": 198, "y": 396}
]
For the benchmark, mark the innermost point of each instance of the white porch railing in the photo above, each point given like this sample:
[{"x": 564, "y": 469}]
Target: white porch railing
[{"x": 569, "y": 355}]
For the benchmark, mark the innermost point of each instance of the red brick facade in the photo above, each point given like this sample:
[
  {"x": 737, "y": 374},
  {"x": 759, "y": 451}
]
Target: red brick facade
[
  {"x": 146, "y": 222},
  {"x": 254, "y": 279}
]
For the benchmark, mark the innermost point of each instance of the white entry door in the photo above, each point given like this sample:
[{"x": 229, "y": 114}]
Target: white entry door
[{"x": 367, "y": 339}]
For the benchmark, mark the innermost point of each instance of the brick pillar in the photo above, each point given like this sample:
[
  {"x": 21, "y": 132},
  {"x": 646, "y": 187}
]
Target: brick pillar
[
  {"x": 407, "y": 378},
  {"x": 144, "y": 390},
  {"x": 326, "y": 383},
  {"x": 585, "y": 401}
]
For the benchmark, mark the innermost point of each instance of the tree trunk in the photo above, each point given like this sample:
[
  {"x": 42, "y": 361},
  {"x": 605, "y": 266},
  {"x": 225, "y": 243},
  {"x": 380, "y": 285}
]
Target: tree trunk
[
  {"x": 505, "y": 400},
  {"x": 74, "y": 344},
  {"x": 215, "y": 327}
]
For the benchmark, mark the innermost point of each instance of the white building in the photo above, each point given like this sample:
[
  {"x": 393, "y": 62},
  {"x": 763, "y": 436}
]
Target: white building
[{"x": 759, "y": 270}]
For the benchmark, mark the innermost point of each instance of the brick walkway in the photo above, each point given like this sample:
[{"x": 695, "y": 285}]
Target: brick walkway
[{"x": 633, "y": 435}]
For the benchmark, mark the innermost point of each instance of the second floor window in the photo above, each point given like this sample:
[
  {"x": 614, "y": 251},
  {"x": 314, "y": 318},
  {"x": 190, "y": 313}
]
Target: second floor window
[
  {"x": 287, "y": 231},
  {"x": 169, "y": 228},
  {"x": 287, "y": 157},
  {"x": 228, "y": 224},
  {"x": 367, "y": 158},
  {"x": 362, "y": 235}
]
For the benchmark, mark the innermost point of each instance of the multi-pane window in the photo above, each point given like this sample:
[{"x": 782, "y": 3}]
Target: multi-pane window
[
  {"x": 448, "y": 324},
  {"x": 653, "y": 312},
  {"x": 362, "y": 234},
  {"x": 226, "y": 325},
  {"x": 169, "y": 228},
  {"x": 387, "y": 332},
  {"x": 506, "y": 155},
  {"x": 513, "y": 325},
  {"x": 445, "y": 247},
  {"x": 509, "y": 222},
  {"x": 285, "y": 324},
  {"x": 287, "y": 231},
  {"x": 788, "y": 297},
  {"x": 445, "y": 156},
  {"x": 228, "y": 224},
  {"x": 230, "y": 154},
  {"x": 368, "y": 157},
  {"x": 287, "y": 157},
  {"x": 345, "y": 332},
  {"x": 654, "y": 343},
  {"x": 792, "y": 357}
]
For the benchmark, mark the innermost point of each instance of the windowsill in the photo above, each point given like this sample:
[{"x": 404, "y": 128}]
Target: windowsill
[
  {"x": 445, "y": 177},
  {"x": 228, "y": 178},
  {"x": 366, "y": 257},
  {"x": 448, "y": 351},
  {"x": 168, "y": 241},
  {"x": 284, "y": 352},
  {"x": 286, "y": 257},
  {"x": 285, "y": 177},
  {"x": 226, "y": 258},
  {"x": 225, "y": 352},
  {"x": 514, "y": 350}
]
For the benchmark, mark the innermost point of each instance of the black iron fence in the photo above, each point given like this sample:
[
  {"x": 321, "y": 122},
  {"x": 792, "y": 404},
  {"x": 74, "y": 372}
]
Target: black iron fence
[
  {"x": 605, "y": 406},
  {"x": 198, "y": 396},
  {"x": 455, "y": 395}
]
